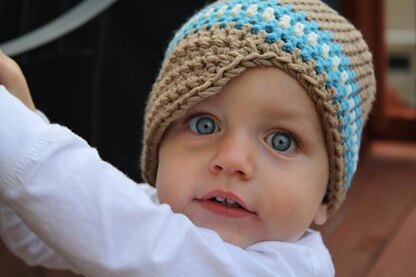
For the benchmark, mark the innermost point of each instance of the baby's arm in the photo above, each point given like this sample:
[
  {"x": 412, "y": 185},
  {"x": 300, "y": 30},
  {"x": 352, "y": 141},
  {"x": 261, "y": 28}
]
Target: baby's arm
[{"x": 13, "y": 231}]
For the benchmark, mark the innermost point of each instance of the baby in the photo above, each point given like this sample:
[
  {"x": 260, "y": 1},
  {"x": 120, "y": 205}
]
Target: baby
[{"x": 252, "y": 133}]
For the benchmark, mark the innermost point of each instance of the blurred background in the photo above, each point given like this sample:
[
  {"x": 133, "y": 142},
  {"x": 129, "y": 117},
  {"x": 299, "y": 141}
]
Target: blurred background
[{"x": 95, "y": 80}]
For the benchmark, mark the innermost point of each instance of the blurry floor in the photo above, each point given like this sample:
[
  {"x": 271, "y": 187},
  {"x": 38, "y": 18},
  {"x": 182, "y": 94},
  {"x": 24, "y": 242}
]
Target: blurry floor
[{"x": 373, "y": 234}]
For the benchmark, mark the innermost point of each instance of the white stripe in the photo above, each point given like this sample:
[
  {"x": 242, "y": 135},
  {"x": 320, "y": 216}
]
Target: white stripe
[
  {"x": 251, "y": 11},
  {"x": 268, "y": 14}
]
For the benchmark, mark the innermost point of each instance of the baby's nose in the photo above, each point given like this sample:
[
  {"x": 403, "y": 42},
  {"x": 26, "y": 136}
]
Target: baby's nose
[{"x": 234, "y": 156}]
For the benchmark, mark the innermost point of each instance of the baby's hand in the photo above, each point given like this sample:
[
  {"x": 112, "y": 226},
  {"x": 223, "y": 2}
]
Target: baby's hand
[{"x": 11, "y": 76}]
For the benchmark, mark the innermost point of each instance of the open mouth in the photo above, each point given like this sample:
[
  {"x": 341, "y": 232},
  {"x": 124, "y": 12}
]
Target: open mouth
[{"x": 226, "y": 201}]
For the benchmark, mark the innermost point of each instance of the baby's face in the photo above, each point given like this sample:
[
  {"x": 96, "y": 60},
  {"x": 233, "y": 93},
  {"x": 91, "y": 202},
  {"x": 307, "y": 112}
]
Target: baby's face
[{"x": 250, "y": 162}]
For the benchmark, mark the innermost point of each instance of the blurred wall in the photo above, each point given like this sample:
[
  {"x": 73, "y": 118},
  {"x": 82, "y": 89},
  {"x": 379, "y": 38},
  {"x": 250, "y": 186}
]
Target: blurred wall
[{"x": 401, "y": 47}]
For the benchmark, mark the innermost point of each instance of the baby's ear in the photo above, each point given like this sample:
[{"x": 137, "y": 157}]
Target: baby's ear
[{"x": 321, "y": 215}]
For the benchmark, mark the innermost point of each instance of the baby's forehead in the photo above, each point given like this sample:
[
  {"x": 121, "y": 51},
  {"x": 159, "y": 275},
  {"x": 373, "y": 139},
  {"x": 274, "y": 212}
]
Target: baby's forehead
[{"x": 264, "y": 92}]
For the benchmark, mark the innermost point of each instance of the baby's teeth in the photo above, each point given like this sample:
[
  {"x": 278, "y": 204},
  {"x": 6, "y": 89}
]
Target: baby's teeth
[
  {"x": 220, "y": 199},
  {"x": 226, "y": 200},
  {"x": 229, "y": 201}
]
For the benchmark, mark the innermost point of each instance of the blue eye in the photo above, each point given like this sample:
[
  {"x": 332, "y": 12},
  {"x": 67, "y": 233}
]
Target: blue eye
[
  {"x": 281, "y": 142},
  {"x": 203, "y": 125}
]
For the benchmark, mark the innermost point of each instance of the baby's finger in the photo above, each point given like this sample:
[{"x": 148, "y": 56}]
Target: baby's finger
[{"x": 11, "y": 76}]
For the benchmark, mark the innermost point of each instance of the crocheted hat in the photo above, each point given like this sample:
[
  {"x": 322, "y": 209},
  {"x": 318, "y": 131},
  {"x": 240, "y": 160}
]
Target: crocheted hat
[{"x": 305, "y": 38}]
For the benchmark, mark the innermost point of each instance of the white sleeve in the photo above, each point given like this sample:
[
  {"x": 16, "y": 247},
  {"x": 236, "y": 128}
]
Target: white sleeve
[
  {"x": 25, "y": 244},
  {"x": 100, "y": 221}
]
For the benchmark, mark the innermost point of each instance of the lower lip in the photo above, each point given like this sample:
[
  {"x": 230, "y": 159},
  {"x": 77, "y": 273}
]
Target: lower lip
[{"x": 221, "y": 209}]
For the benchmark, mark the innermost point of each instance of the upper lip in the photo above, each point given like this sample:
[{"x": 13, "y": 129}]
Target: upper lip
[{"x": 225, "y": 194}]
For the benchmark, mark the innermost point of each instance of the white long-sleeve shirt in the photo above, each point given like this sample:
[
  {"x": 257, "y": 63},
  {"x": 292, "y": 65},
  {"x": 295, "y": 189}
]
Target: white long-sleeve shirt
[{"x": 63, "y": 207}]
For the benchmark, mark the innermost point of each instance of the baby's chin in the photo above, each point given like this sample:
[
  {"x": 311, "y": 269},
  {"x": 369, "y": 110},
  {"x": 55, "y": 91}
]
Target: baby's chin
[
  {"x": 240, "y": 239},
  {"x": 227, "y": 235},
  {"x": 245, "y": 238}
]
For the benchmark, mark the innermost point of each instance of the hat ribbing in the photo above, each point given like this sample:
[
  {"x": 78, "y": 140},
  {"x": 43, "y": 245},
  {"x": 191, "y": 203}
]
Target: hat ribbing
[{"x": 305, "y": 38}]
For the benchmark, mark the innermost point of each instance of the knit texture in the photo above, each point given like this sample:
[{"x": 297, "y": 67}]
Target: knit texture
[{"x": 305, "y": 38}]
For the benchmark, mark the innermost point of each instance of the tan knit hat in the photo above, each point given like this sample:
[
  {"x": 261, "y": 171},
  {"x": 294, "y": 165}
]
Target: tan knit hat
[{"x": 305, "y": 38}]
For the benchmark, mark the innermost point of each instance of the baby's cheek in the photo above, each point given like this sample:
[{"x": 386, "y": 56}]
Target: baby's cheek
[{"x": 168, "y": 195}]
